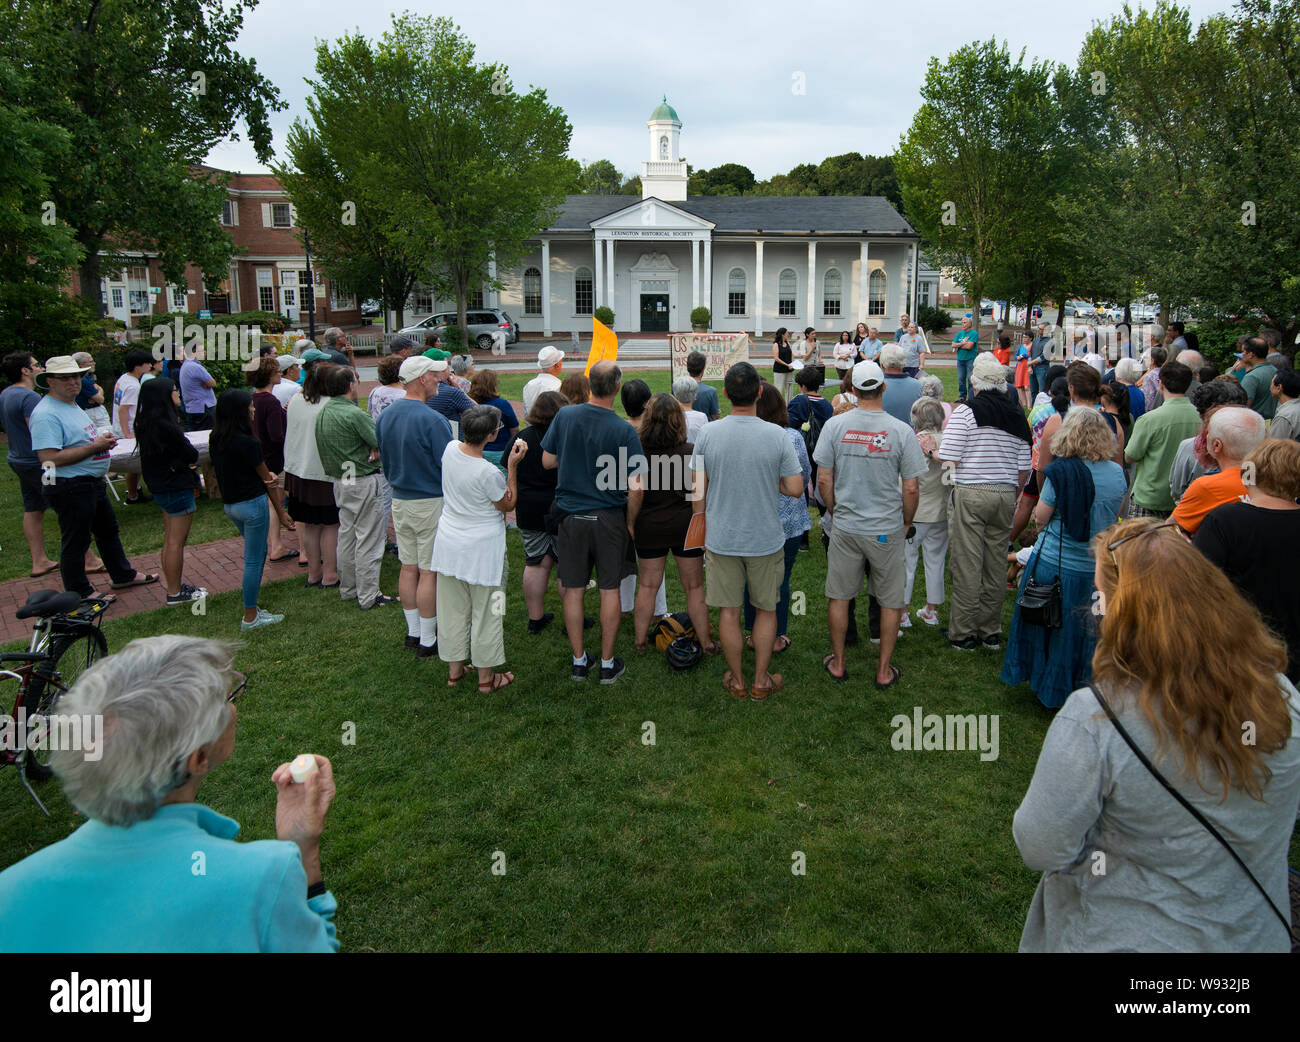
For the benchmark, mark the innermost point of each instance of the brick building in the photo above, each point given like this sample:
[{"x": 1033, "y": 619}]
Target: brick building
[{"x": 270, "y": 274}]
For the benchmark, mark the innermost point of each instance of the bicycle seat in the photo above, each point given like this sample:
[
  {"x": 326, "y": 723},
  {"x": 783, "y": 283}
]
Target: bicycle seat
[{"x": 44, "y": 603}]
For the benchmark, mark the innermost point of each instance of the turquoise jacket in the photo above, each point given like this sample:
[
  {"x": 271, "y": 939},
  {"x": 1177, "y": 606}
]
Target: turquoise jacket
[{"x": 175, "y": 883}]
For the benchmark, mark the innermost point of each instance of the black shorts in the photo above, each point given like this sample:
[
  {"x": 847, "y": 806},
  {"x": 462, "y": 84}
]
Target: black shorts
[
  {"x": 29, "y": 482},
  {"x": 664, "y": 551},
  {"x": 200, "y": 421},
  {"x": 598, "y": 538}
]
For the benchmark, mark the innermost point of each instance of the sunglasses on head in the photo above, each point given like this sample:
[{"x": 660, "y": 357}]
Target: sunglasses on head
[{"x": 1136, "y": 535}]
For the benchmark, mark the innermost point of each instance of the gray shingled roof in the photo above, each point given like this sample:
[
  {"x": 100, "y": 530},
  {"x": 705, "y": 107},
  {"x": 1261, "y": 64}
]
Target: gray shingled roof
[{"x": 770, "y": 214}]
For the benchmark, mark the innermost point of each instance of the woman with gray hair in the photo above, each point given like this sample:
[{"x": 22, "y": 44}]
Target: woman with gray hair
[
  {"x": 932, "y": 387},
  {"x": 469, "y": 551},
  {"x": 462, "y": 371},
  {"x": 1128, "y": 371},
  {"x": 684, "y": 390},
  {"x": 931, "y": 518},
  {"x": 165, "y": 719}
]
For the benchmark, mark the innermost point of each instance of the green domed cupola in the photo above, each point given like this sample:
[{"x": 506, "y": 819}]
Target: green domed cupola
[{"x": 665, "y": 111}]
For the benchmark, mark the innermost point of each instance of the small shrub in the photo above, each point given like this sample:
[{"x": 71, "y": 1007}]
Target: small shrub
[
  {"x": 604, "y": 315},
  {"x": 933, "y": 320},
  {"x": 1218, "y": 338},
  {"x": 700, "y": 316},
  {"x": 453, "y": 339}
]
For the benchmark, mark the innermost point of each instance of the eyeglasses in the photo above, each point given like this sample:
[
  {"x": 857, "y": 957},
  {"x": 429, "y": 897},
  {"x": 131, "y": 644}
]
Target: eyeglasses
[
  {"x": 238, "y": 689},
  {"x": 1137, "y": 535}
]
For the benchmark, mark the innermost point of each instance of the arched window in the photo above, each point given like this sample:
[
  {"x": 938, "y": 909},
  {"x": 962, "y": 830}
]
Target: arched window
[
  {"x": 663, "y": 147},
  {"x": 736, "y": 292},
  {"x": 876, "y": 293},
  {"x": 787, "y": 292},
  {"x": 832, "y": 283},
  {"x": 533, "y": 292},
  {"x": 584, "y": 292}
]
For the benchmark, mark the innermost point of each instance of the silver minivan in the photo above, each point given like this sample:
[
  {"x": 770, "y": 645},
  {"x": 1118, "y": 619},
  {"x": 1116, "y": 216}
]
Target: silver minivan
[{"x": 481, "y": 322}]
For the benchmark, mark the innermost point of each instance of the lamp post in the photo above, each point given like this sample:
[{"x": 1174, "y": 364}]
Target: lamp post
[{"x": 311, "y": 288}]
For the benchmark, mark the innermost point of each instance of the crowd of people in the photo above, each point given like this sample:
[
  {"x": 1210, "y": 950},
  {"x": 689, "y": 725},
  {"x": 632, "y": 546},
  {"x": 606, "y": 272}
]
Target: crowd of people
[{"x": 1159, "y": 492}]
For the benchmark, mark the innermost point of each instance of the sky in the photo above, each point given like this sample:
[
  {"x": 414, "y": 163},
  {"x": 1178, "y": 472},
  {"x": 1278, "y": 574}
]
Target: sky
[{"x": 768, "y": 84}]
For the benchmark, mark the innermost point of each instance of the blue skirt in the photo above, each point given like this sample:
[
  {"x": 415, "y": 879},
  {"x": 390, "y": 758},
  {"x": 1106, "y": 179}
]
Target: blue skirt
[{"x": 1062, "y": 663}]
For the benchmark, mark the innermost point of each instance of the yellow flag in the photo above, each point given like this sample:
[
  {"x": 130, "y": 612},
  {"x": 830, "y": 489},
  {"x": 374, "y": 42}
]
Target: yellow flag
[{"x": 604, "y": 345}]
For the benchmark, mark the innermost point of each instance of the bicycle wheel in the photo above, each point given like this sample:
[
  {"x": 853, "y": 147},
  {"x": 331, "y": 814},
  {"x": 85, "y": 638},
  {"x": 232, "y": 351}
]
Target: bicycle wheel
[{"x": 72, "y": 654}]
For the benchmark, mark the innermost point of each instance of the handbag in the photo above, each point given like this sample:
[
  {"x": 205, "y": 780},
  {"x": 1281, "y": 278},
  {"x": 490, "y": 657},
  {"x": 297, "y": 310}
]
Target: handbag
[
  {"x": 1040, "y": 604},
  {"x": 1191, "y": 810}
]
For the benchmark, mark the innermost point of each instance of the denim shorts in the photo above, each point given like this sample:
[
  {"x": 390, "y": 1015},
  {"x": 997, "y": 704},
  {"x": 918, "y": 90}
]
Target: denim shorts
[{"x": 175, "y": 504}]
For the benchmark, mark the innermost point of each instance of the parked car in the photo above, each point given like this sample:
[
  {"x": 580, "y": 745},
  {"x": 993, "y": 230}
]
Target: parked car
[{"x": 481, "y": 323}]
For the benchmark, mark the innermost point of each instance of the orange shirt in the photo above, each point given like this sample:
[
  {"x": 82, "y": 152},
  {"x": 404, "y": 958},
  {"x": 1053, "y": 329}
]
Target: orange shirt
[
  {"x": 1002, "y": 354},
  {"x": 1206, "y": 493}
]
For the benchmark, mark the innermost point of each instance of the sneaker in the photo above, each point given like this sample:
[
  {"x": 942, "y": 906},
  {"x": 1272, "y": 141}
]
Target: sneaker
[
  {"x": 378, "y": 602},
  {"x": 425, "y": 650},
  {"x": 609, "y": 675},
  {"x": 143, "y": 497},
  {"x": 965, "y": 644},
  {"x": 264, "y": 618},
  {"x": 579, "y": 672},
  {"x": 993, "y": 642},
  {"x": 930, "y": 618},
  {"x": 536, "y": 626},
  {"x": 410, "y": 643},
  {"x": 905, "y": 623},
  {"x": 188, "y": 593}
]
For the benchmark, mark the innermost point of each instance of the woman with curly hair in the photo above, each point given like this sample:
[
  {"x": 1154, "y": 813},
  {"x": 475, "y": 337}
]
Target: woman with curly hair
[{"x": 1125, "y": 867}]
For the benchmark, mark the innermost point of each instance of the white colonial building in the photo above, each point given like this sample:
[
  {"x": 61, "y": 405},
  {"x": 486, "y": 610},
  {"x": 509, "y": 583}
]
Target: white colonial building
[{"x": 756, "y": 262}]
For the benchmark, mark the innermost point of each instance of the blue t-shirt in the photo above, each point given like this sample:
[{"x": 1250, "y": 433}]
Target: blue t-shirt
[
  {"x": 87, "y": 392},
  {"x": 58, "y": 425},
  {"x": 900, "y": 392},
  {"x": 509, "y": 421},
  {"x": 195, "y": 397},
  {"x": 1137, "y": 402},
  {"x": 412, "y": 439},
  {"x": 1108, "y": 484},
  {"x": 706, "y": 400},
  {"x": 16, "y": 404},
  {"x": 598, "y": 451},
  {"x": 451, "y": 402}
]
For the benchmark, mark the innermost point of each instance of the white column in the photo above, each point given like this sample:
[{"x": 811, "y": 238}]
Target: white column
[
  {"x": 546, "y": 288},
  {"x": 758, "y": 287},
  {"x": 494, "y": 298},
  {"x": 812, "y": 281},
  {"x": 916, "y": 269},
  {"x": 708, "y": 275},
  {"x": 864, "y": 284},
  {"x": 695, "y": 274},
  {"x": 598, "y": 288},
  {"x": 609, "y": 279}
]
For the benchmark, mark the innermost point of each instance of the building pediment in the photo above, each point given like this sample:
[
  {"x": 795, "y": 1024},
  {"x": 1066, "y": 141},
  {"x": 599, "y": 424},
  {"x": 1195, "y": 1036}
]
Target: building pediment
[{"x": 651, "y": 215}]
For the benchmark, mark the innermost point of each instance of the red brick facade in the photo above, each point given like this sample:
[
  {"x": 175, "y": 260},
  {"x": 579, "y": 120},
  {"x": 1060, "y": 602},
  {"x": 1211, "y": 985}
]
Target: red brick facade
[{"x": 269, "y": 262}]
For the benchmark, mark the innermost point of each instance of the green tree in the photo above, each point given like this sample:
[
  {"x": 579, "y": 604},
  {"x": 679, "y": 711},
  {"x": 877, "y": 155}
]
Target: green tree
[
  {"x": 600, "y": 178},
  {"x": 727, "y": 179},
  {"x": 143, "y": 92}
]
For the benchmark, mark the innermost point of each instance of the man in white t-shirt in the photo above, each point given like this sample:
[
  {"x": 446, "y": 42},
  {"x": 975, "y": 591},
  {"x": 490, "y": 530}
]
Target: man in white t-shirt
[
  {"x": 549, "y": 360},
  {"x": 288, "y": 385},
  {"x": 126, "y": 395}
]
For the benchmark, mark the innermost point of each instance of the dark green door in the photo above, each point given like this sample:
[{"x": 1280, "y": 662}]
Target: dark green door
[{"x": 654, "y": 312}]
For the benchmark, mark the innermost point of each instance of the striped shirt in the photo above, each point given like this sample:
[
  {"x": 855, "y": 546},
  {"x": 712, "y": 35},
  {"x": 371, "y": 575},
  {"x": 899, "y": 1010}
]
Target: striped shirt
[{"x": 984, "y": 455}]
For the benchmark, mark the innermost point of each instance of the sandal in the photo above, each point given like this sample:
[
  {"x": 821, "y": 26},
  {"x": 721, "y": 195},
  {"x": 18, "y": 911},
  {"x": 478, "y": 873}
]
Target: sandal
[
  {"x": 284, "y": 556},
  {"x": 734, "y": 692},
  {"x": 499, "y": 680},
  {"x": 713, "y": 649},
  {"x": 642, "y": 648},
  {"x": 760, "y": 694},
  {"x": 895, "y": 673},
  {"x": 453, "y": 681},
  {"x": 826, "y": 665},
  {"x": 46, "y": 571},
  {"x": 145, "y": 581},
  {"x": 783, "y": 647}
]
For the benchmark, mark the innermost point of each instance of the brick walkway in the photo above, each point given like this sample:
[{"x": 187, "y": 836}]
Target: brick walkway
[{"x": 217, "y": 566}]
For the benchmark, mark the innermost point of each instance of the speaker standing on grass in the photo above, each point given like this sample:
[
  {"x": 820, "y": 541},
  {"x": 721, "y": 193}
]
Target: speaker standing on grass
[
  {"x": 1125, "y": 866},
  {"x": 245, "y": 484}
]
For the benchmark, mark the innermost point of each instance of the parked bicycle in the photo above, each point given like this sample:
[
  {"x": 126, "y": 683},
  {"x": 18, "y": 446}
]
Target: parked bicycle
[{"x": 66, "y": 640}]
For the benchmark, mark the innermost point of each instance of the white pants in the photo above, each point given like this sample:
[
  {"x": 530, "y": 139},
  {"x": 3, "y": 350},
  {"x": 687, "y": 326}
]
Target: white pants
[
  {"x": 932, "y": 537},
  {"x": 627, "y": 596},
  {"x": 361, "y": 537}
]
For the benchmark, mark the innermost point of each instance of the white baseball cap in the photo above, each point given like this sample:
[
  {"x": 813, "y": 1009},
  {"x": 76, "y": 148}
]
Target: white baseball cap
[
  {"x": 867, "y": 376},
  {"x": 416, "y": 366},
  {"x": 548, "y": 356}
]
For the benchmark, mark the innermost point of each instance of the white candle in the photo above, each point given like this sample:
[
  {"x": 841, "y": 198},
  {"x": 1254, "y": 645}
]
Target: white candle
[{"x": 302, "y": 767}]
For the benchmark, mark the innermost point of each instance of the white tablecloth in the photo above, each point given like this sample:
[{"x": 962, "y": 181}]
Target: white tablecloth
[{"x": 125, "y": 457}]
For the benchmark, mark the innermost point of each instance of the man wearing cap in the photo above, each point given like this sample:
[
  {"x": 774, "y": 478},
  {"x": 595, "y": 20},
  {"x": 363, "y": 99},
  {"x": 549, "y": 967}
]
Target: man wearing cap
[
  {"x": 288, "y": 386},
  {"x": 197, "y": 394},
  {"x": 74, "y": 458},
  {"x": 862, "y": 455},
  {"x": 412, "y": 439},
  {"x": 448, "y": 400},
  {"x": 549, "y": 360},
  {"x": 986, "y": 449}
]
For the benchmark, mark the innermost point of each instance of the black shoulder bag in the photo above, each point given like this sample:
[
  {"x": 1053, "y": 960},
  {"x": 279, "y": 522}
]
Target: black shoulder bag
[
  {"x": 1040, "y": 605},
  {"x": 1191, "y": 810}
]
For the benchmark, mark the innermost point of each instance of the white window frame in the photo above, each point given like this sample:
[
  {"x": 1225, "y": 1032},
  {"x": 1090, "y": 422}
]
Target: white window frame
[
  {"x": 584, "y": 273},
  {"x": 839, "y": 294},
  {"x": 780, "y": 299},
  {"x": 871, "y": 296},
  {"x": 229, "y": 212},
  {"x": 276, "y": 210},
  {"x": 532, "y": 272},
  {"x": 422, "y": 301},
  {"x": 743, "y": 293},
  {"x": 179, "y": 298}
]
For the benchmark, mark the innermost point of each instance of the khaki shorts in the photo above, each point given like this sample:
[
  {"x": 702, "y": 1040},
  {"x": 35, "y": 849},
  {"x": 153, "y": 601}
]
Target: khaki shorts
[
  {"x": 725, "y": 579},
  {"x": 416, "y": 523},
  {"x": 848, "y": 555}
]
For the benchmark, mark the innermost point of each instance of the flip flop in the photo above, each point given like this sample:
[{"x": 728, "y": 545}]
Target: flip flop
[
  {"x": 146, "y": 581},
  {"x": 302, "y": 564},
  {"x": 284, "y": 556},
  {"x": 46, "y": 571},
  {"x": 826, "y": 665},
  {"x": 784, "y": 647},
  {"x": 896, "y": 674}
]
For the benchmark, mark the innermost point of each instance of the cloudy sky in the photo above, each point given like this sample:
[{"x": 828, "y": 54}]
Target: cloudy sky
[{"x": 730, "y": 70}]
